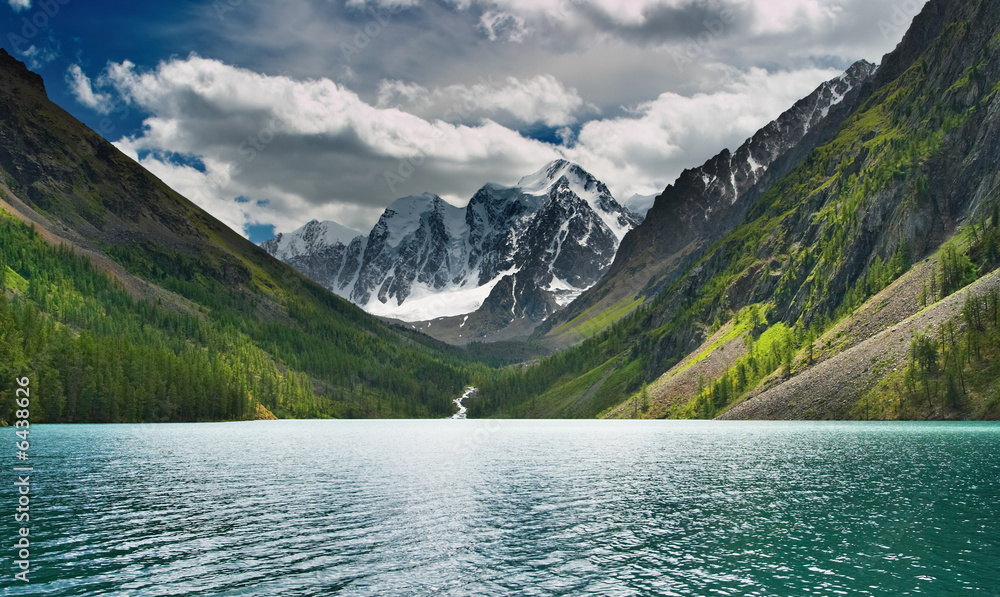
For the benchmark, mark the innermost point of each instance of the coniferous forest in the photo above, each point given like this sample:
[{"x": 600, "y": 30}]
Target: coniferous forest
[
  {"x": 126, "y": 302},
  {"x": 123, "y": 301},
  {"x": 97, "y": 354}
]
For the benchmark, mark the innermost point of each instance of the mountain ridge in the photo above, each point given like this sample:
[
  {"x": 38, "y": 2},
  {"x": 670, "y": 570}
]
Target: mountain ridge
[
  {"x": 126, "y": 302},
  {"x": 707, "y": 201},
  {"x": 907, "y": 173},
  {"x": 526, "y": 249}
]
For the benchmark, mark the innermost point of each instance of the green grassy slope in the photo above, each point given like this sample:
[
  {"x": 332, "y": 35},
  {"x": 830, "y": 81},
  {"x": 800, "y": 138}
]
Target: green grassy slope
[
  {"x": 188, "y": 320},
  {"x": 919, "y": 156}
]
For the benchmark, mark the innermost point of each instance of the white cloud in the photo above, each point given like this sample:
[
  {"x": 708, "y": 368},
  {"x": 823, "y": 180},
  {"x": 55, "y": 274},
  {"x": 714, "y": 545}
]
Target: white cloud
[
  {"x": 303, "y": 149},
  {"x": 777, "y": 16},
  {"x": 401, "y": 93},
  {"x": 297, "y": 150},
  {"x": 503, "y": 26},
  {"x": 646, "y": 150},
  {"x": 19, "y": 5},
  {"x": 81, "y": 88},
  {"x": 540, "y": 99},
  {"x": 437, "y": 98},
  {"x": 808, "y": 27},
  {"x": 518, "y": 15},
  {"x": 37, "y": 56},
  {"x": 610, "y": 52}
]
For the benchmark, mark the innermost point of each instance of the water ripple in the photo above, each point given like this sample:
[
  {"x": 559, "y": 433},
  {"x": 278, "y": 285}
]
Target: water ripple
[{"x": 514, "y": 508}]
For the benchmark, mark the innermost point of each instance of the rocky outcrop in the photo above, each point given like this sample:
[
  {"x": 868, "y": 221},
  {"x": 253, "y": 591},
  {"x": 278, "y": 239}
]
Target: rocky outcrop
[{"x": 705, "y": 203}]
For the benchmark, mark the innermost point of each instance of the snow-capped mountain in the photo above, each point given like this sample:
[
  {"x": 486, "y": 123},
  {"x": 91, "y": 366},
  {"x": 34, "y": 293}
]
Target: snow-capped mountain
[
  {"x": 418, "y": 249},
  {"x": 325, "y": 251},
  {"x": 540, "y": 242},
  {"x": 559, "y": 246}
]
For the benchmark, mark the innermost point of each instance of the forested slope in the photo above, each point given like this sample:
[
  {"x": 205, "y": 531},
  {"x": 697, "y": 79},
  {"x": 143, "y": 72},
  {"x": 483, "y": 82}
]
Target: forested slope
[
  {"x": 123, "y": 301},
  {"x": 914, "y": 161}
]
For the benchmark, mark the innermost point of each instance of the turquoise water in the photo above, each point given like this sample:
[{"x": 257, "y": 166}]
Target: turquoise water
[{"x": 511, "y": 508}]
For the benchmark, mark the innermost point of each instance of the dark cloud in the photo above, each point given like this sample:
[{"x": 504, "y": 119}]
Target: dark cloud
[{"x": 665, "y": 24}]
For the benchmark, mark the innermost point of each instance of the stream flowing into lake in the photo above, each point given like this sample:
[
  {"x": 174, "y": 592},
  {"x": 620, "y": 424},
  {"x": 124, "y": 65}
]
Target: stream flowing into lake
[{"x": 462, "y": 409}]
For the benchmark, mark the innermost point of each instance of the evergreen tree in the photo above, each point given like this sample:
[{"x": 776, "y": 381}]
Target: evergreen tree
[{"x": 3, "y": 271}]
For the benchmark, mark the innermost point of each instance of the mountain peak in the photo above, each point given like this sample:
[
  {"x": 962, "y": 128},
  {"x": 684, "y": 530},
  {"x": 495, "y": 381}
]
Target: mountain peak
[
  {"x": 541, "y": 181},
  {"x": 426, "y": 258},
  {"x": 13, "y": 66},
  {"x": 412, "y": 203},
  {"x": 413, "y": 208},
  {"x": 310, "y": 237},
  {"x": 860, "y": 69},
  {"x": 557, "y": 165},
  {"x": 332, "y": 232}
]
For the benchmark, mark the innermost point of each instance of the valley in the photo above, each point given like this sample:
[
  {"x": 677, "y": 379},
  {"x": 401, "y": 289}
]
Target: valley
[{"x": 839, "y": 264}]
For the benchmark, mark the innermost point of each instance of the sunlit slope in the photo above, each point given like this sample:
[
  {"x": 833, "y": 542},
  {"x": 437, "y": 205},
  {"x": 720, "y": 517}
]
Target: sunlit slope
[{"x": 913, "y": 162}]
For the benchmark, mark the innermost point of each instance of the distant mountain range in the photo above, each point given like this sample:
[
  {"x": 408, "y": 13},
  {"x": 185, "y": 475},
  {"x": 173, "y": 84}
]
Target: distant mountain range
[
  {"x": 529, "y": 249},
  {"x": 515, "y": 256}
]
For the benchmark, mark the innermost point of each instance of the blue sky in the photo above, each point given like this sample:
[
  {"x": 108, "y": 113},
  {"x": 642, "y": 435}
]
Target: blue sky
[
  {"x": 271, "y": 114},
  {"x": 77, "y": 34}
]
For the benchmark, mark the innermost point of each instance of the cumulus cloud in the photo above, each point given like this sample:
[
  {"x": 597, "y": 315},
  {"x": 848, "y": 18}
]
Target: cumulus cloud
[
  {"x": 450, "y": 94},
  {"x": 294, "y": 150},
  {"x": 503, "y": 26},
  {"x": 19, "y": 5},
  {"x": 81, "y": 88},
  {"x": 275, "y": 150},
  {"x": 777, "y": 16},
  {"x": 402, "y": 93},
  {"x": 540, "y": 99},
  {"x": 647, "y": 149},
  {"x": 612, "y": 52}
]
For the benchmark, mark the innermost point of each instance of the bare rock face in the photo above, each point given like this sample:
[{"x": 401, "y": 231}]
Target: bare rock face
[
  {"x": 524, "y": 250},
  {"x": 706, "y": 202}
]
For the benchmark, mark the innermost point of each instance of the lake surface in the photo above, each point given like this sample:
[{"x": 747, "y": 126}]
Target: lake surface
[{"x": 467, "y": 507}]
